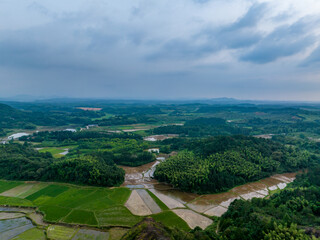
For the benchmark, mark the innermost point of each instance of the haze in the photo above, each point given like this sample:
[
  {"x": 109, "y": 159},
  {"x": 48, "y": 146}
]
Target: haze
[{"x": 151, "y": 49}]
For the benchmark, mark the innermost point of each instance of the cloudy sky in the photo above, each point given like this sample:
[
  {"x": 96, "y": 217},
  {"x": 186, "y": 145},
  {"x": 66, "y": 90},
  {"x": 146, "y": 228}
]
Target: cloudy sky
[{"x": 161, "y": 49}]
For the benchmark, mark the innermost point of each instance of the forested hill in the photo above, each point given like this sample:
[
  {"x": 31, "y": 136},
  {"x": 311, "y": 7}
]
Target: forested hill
[
  {"x": 216, "y": 164},
  {"x": 11, "y": 118},
  {"x": 22, "y": 162}
]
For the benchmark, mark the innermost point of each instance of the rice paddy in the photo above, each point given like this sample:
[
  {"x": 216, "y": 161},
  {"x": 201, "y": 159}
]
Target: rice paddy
[{"x": 67, "y": 208}]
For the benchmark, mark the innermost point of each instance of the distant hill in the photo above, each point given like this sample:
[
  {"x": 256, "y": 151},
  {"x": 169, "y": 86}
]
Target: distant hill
[{"x": 14, "y": 118}]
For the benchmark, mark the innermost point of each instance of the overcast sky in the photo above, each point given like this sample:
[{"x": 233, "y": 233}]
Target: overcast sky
[{"x": 161, "y": 49}]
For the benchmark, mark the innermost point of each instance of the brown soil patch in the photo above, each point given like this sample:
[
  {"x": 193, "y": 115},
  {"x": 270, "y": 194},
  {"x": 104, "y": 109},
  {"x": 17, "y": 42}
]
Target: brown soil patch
[
  {"x": 136, "y": 205},
  {"x": 148, "y": 200},
  {"x": 193, "y": 219},
  {"x": 216, "y": 211},
  {"x": 89, "y": 109},
  {"x": 170, "y": 202},
  {"x": 134, "y": 174},
  {"x": 214, "y": 199}
]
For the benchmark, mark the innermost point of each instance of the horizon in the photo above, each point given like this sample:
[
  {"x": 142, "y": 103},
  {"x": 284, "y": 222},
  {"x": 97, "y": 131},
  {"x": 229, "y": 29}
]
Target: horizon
[{"x": 219, "y": 100}]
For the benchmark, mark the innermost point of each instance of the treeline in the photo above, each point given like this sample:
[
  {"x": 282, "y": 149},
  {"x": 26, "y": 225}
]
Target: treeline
[
  {"x": 127, "y": 152},
  {"x": 122, "y": 148},
  {"x": 297, "y": 205},
  {"x": 290, "y": 214},
  {"x": 62, "y": 136},
  {"x": 22, "y": 162},
  {"x": 201, "y": 127},
  {"x": 125, "y": 120},
  {"x": 218, "y": 164},
  {"x": 14, "y": 118}
]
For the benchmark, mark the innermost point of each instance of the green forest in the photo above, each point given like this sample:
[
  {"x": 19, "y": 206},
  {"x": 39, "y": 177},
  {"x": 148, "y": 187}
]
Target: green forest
[
  {"x": 213, "y": 148},
  {"x": 22, "y": 162},
  {"x": 218, "y": 164}
]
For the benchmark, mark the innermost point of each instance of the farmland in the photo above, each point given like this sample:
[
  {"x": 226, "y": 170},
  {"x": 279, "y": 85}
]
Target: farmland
[
  {"x": 102, "y": 180},
  {"x": 107, "y": 210}
]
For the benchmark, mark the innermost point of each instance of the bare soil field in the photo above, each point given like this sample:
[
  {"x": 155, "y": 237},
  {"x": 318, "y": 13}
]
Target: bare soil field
[
  {"x": 134, "y": 175},
  {"x": 152, "y": 205},
  {"x": 193, "y": 219},
  {"x": 136, "y": 205},
  {"x": 14, "y": 192},
  {"x": 89, "y": 109},
  {"x": 216, "y": 211},
  {"x": 168, "y": 201}
]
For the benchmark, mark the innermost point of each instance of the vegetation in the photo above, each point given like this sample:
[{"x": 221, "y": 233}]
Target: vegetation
[
  {"x": 216, "y": 151},
  {"x": 271, "y": 218},
  {"x": 21, "y": 162},
  {"x": 217, "y": 164}
]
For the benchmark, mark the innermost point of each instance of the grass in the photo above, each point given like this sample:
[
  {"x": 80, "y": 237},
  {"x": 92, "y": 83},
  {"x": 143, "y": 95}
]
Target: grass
[
  {"x": 106, "y": 116},
  {"x": 81, "y": 217},
  {"x": 92, "y": 206},
  {"x": 78, "y": 205},
  {"x": 31, "y": 234},
  {"x": 170, "y": 219},
  {"x": 6, "y": 185},
  {"x": 158, "y": 201},
  {"x": 120, "y": 195},
  {"x": 54, "y": 213},
  {"x": 97, "y": 201},
  {"x": 70, "y": 198},
  {"x": 73, "y": 204},
  {"x": 16, "y": 202},
  {"x": 117, "y": 233},
  {"x": 56, "y": 152},
  {"x": 61, "y": 232},
  {"x": 51, "y": 191},
  {"x": 86, "y": 234},
  {"x": 117, "y": 216}
]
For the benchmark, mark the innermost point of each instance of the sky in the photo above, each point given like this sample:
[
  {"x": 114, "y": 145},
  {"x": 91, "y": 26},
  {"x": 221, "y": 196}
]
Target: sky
[{"x": 161, "y": 49}]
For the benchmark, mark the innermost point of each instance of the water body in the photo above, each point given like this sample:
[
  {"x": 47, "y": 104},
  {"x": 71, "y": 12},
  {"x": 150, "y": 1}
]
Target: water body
[
  {"x": 14, "y": 222},
  {"x": 70, "y": 130},
  {"x": 17, "y": 135}
]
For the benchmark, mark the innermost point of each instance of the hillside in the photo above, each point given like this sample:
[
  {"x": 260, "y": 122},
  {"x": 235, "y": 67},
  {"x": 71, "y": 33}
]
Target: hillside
[{"x": 217, "y": 164}]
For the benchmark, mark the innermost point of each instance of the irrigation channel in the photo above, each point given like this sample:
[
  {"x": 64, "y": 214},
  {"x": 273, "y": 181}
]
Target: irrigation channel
[{"x": 194, "y": 209}]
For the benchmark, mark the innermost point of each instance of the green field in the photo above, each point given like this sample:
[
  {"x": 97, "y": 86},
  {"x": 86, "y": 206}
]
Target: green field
[
  {"x": 82, "y": 217},
  {"x": 74, "y": 204},
  {"x": 6, "y": 185},
  {"x": 61, "y": 232},
  {"x": 55, "y": 151},
  {"x": 80, "y": 205},
  {"x": 32, "y": 234},
  {"x": 169, "y": 218},
  {"x": 158, "y": 201},
  {"x": 17, "y": 202}
]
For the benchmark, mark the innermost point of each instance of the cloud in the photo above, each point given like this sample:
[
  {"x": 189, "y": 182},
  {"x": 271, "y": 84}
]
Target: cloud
[
  {"x": 239, "y": 34},
  {"x": 253, "y": 16},
  {"x": 284, "y": 41},
  {"x": 312, "y": 59},
  {"x": 197, "y": 48}
]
